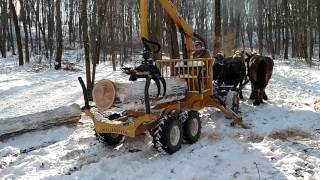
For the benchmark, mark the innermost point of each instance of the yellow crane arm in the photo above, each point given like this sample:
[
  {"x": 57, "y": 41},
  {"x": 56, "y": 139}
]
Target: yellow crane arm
[{"x": 172, "y": 11}]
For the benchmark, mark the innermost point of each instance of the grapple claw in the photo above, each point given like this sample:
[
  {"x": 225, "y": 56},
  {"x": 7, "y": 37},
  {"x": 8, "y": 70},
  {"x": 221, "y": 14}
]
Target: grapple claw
[
  {"x": 127, "y": 70},
  {"x": 156, "y": 80},
  {"x": 164, "y": 84}
]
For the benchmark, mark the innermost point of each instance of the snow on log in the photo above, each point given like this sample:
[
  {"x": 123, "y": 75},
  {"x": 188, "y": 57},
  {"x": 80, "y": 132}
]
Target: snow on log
[
  {"x": 130, "y": 95},
  {"x": 42, "y": 120}
]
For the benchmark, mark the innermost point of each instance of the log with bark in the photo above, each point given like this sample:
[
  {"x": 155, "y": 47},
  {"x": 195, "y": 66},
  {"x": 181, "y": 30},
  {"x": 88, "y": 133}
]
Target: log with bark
[
  {"x": 131, "y": 95},
  {"x": 38, "y": 121}
]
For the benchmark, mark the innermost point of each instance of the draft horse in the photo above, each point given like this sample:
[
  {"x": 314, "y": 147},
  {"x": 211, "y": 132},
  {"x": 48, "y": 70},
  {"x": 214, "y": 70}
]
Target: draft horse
[
  {"x": 230, "y": 70},
  {"x": 260, "y": 70}
]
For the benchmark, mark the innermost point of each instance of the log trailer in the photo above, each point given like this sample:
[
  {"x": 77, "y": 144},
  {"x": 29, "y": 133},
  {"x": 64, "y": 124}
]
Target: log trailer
[{"x": 169, "y": 123}]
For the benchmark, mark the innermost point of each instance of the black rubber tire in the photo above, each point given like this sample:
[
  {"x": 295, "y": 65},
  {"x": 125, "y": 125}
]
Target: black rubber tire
[
  {"x": 162, "y": 132},
  {"x": 110, "y": 139},
  {"x": 189, "y": 136}
]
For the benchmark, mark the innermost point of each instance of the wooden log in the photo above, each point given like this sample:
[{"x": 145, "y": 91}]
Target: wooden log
[
  {"x": 130, "y": 95},
  {"x": 38, "y": 121}
]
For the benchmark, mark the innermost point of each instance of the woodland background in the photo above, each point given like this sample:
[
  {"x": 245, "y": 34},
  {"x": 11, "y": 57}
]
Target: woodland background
[{"x": 108, "y": 30}]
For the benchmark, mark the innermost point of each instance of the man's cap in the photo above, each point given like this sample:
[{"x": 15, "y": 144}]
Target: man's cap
[{"x": 198, "y": 43}]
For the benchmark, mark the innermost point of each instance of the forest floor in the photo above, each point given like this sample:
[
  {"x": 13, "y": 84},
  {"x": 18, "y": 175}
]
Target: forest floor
[{"x": 283, "y": 141}]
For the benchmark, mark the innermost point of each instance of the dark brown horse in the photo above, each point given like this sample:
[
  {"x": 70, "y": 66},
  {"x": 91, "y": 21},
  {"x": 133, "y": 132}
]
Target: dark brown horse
[
  {"x": 230, "y": 70},
  {"x": 260, "y": 70}
]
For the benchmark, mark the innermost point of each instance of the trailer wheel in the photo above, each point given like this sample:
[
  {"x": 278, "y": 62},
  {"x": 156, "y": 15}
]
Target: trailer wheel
[
  {"x": 167, "y": 134},
  {"x": 192, "y": 127},
  {"x": 110, "y": 139}
]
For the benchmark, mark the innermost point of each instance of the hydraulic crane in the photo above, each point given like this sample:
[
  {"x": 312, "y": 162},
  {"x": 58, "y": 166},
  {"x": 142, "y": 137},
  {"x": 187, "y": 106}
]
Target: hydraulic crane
[
  {"x": 183, "y": 26},
  {"x": 169, "y": 123}
]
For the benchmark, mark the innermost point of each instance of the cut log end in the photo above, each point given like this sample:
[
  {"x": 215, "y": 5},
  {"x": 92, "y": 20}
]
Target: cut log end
[{"x": 104, "y": 94}]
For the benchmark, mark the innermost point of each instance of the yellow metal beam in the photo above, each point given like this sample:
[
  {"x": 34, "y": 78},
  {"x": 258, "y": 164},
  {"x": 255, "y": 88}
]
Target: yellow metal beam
[
  {"x": 144, "y": 19},
  {"x": 172, "y": 11}
]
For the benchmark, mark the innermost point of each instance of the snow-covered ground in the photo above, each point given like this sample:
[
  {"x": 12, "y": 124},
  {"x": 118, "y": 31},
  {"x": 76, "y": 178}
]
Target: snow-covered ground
[{"x": 282, "y": 143}]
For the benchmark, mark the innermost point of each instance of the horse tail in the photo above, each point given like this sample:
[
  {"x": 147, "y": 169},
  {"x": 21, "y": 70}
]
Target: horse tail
[
  {"x": 261, "y": 74},
  {"x": 270, "y": 65}
]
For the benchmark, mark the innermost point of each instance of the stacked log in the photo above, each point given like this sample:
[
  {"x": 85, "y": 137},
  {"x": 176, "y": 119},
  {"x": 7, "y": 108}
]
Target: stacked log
[{"x": 131, "y": 95}]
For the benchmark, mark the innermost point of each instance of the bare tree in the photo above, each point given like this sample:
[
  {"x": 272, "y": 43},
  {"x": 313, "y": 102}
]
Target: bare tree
[
  {"x": 318, "y": 10},
  {"x": 17, "y": 29},
  {"x": 155, "y": 26},
  {"x": 97, "y": 45},
  {"x": 286, "y": 22},
  {"x": 4, "y": 27},
  {"x": 260, "y": 25},
  {"x": 59, "y": 36},
  {"x": 280, "y": 25},
  {"x": 85, "y": 37},
  {"x": 173, "y": 44},
  {"x": 25, "y": 29},
  {"x": 217, "y": 29}
]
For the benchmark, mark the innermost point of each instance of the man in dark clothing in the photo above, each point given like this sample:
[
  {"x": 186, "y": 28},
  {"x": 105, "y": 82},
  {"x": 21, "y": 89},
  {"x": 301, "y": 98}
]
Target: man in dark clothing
[{"x": 200, "y": 51}]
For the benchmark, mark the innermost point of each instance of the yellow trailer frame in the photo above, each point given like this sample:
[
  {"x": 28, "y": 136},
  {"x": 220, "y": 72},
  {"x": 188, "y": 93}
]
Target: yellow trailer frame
[
  {"x": 196, "y": 72},
  {"x": 193, "y": 100}
]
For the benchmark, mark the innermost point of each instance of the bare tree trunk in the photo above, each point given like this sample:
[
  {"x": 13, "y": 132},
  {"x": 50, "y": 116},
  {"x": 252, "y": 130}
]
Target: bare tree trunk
[
  {"x": 25, "y": 28},
  {"x": 29, "y": 20},
  {"x": 112, "y": 34},
  {"x": 50, "y": 29},
  {"x": 85, "y": 37},
  {"x": 311, "y": 38},
  {"x": 311, "y": 42},
  {"x": 70, "y": 22},
  {"x": 17, "y": 29},
  {"x": 59, "y": 36},
  {"x": 97, "y": 45},
  {"x": 156, "y": 27},
  {"x": 225, "y": 18},
  {"x": 93, "y": 27},
  {"x": 173, "y": 42},
  {"x": 11, "y": 36},
  {"x": 250, "y": 32},
  {"x": 80, "y": 31},
  {"x": 3, "y": 29},
  {"x": 43, "y": 30},
  {"x": 260, "y": 25},
  {"x": 318, "y": 28},
  {"x": 286, "y": 20},
  {"x": 38, "y": 33},
  {"x": 277, "y": 28},
  {"x": 36, "y": 11},
  {"x": 217, "y": 30},
  {"x": 269, "y": 39},
  {"x": 174, "y": 45}
]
